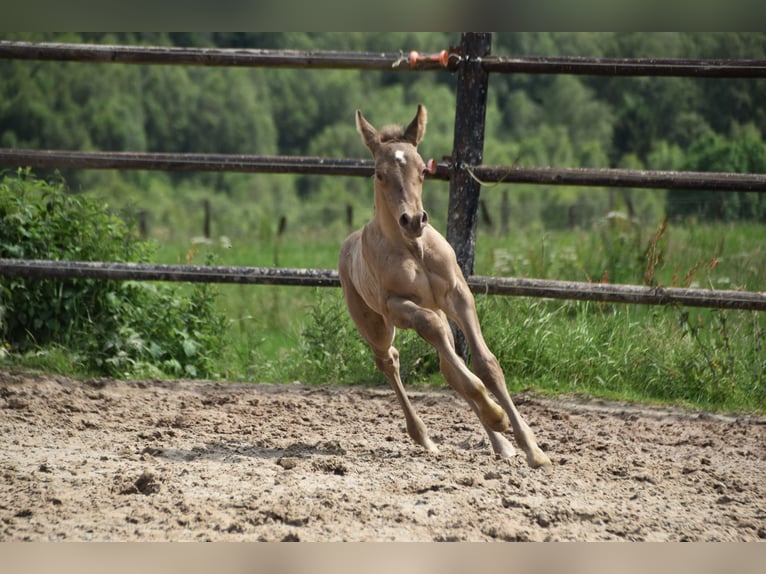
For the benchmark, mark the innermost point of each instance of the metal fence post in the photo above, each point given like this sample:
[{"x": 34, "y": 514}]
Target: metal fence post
[
  {"x": 468, "y": 147},
  {"x": 467, "y": 150}
]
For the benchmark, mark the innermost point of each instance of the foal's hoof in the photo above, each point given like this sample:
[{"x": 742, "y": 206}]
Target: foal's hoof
[
  {"x": 430, "y": 446},
  {"x": 504, "y": 451},
  {"x": 539, "y": 460}
]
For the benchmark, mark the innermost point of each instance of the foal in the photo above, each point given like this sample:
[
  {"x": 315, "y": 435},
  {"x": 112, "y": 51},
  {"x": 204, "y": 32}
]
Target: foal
[{"x": 399, "y": 272}]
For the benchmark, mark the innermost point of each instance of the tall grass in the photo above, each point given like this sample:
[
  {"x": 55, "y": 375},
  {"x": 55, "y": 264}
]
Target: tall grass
[
  {"x": 713, "y": 255},
  {"x": 708, "y": 358}
]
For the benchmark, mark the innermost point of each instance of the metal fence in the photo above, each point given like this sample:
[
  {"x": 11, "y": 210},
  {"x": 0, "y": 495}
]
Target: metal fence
[{"x": 472, "y": 62}]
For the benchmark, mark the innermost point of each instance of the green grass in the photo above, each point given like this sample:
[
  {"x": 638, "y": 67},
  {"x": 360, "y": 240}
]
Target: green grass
[
  {"x": 721, "y": 256},
  {"x": 265, "y": 321},
  {"x": 706, "y": 358}
]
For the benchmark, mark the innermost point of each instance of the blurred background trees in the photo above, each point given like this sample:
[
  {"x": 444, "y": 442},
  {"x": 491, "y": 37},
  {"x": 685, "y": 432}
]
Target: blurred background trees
[{"x": 568, "y": 121}]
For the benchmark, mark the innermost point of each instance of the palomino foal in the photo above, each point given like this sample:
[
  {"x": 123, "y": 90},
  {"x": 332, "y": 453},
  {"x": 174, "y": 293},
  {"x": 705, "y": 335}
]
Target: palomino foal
[{"x": 398, "y": 271}]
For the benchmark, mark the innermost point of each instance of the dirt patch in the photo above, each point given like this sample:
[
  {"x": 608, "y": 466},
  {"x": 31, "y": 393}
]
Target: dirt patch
[{"x": 189, "y": 460}]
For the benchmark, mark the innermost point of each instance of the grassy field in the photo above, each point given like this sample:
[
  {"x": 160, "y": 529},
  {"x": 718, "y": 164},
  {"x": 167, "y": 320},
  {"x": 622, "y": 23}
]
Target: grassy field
[{"x": 707, "y": 358}]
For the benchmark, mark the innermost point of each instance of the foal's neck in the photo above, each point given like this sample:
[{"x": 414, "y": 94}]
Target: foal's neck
[
  {"x": 386, "y": 222},
  {"x": 381, "y": 228}
]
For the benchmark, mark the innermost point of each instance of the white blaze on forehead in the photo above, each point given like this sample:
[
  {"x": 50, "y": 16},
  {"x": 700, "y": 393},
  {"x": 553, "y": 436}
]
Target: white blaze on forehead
[{"x": 399, "y": 155}]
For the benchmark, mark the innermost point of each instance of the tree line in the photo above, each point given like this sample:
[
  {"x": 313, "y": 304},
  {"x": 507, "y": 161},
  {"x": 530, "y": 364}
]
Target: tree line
[{"x": 559, "y": 120}]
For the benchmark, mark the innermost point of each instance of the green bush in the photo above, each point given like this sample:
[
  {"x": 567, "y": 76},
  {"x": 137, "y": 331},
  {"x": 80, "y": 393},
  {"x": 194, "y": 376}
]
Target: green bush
[
  {"x": 106, "y": 327},
  {"x": 331, "y": 349},
  {"x": 743, "y": 153}
]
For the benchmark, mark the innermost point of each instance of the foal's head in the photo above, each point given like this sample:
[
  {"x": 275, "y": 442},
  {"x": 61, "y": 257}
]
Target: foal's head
[{"x": 399, "y": 173}]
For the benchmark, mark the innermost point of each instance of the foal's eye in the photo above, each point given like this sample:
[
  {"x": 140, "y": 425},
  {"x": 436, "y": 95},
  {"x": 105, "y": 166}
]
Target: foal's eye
[{"x": 378, "y": 176}]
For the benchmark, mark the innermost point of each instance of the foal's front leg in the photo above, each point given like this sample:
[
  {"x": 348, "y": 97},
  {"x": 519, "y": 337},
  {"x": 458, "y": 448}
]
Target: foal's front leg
[
  {"x": 380, "y": 336},
  {"x": 433, "y": 327},
  {"x": 388, "y": 362}
]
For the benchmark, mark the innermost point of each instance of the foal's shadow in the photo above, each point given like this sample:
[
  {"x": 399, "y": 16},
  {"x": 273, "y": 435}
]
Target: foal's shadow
[{"x": 233, "y": 452}]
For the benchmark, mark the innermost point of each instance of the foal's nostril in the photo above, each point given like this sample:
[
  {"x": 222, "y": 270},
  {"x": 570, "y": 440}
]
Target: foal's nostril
[
  {"x": 404, "y": 220},
  {"x": 424, "y": 219}
]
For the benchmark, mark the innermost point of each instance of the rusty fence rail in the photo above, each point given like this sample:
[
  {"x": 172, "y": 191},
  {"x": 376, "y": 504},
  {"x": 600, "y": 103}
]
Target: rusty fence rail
[
  {"x": 677, "y": 67},
  {"x": 179, "y": 56},
  {"x": 590, "y": 177},
  {"x": 122, "y": 160},
  {"x": 602, "y": 292},
  {"x": 472, "y": 61},
  {"x": 185, "y": 56}
]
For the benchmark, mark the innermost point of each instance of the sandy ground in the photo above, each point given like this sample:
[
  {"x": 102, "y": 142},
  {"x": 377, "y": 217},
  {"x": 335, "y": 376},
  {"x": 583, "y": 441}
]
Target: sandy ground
[{"x": 190, "y": 460}]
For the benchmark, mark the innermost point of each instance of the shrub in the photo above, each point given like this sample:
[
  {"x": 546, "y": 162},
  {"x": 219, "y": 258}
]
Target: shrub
[
  {"x": 331, "y": 349},
  {"x": 113, "y": 328}
]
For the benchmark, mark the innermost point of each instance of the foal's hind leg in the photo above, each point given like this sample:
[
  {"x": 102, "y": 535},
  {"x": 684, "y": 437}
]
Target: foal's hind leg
[
  {"x": 500, "y": 445},
  {"x": 379, "y": 336},
  {"x": 487, "y": 368}
]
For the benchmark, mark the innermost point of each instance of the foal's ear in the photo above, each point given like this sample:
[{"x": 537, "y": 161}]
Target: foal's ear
[
  {"x": 369, "y": 134},
  {"x": 417, "y": 128}
]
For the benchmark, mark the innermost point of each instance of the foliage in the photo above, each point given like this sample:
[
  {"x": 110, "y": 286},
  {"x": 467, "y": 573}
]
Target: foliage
[
  {"x": 117, "y": 328},
  {"x": 713, "y": 359},
  {"x": 533, "y": 119},
  {"x": 557, "y": 232},
  {"x": 745, "y": 153},
  {"x": 331, "y": 349}
]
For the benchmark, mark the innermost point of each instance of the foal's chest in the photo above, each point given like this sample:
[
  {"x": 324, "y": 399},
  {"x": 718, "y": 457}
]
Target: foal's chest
[{"x": 415, "y": 276}]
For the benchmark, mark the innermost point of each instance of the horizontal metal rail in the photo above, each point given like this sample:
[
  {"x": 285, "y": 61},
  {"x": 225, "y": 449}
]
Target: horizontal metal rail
[
  {"x": 62, "y": 159},
  {"x": 52, "y": 51},
  {"x": 639, "y": 178},
  {"x": 721, "y": 68},
  {"x": 615, "y": 293},
  {"x": 44, "y": 268},
  {"x": 41, "y": 269},
  {"x": 102, "y": 53}
]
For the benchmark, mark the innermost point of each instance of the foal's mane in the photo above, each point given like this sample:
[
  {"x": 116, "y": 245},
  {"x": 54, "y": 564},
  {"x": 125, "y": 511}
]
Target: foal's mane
[{"x": 392, "y": 134}]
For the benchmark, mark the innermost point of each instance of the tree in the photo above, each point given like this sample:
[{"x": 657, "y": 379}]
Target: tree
[{"x": 716, "y": 153}]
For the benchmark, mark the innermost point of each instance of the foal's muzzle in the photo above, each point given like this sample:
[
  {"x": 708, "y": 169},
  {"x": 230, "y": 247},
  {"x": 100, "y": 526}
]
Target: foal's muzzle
[{"x": 414, "y": 225}]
